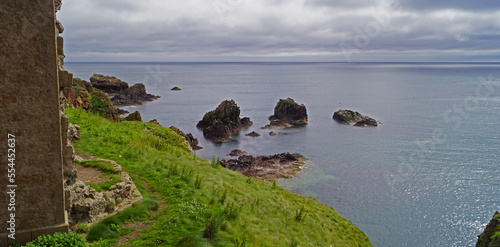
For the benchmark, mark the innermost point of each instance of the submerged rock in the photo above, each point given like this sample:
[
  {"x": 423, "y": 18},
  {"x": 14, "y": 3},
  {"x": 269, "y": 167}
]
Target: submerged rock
[
  {"x": 108, "y": 84},
  {"x": 267, "y": 167},
  {"x": 133, "y": 95},
  {"x": 237, "y": 152},
  {"x": 220, "y": 124},
  {"x": 288, "y": 113},
  {"x": 348, "y": 117}
]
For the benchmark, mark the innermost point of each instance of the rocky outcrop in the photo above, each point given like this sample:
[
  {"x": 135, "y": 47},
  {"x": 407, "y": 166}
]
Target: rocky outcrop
[
  {"x": 133, "y": 95},
  {"x": 193, "y": 142},
  {"x": 491, "y": 235},
  {"x": 267, "y": 167},
  {"x": 288, "y": 113},
  {"x": 253, "y": 134},
  {"x": 108, "y": 84},
  {"x": 100, "y": 104},
  {"x": 237, "y": 152},
  {"x": 220, "y": 124},
  {"x": 135, "y": 116},
  {"x": 349, "y": 117}
]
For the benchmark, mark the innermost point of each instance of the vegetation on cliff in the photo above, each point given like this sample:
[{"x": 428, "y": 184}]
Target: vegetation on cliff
[
  {"x": 491, "y": 235},
  {"x": 201, "y": 203}
]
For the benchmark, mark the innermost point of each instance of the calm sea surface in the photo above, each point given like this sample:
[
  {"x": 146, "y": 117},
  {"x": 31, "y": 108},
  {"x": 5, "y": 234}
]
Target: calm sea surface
[{"x": 429, "y": 175}]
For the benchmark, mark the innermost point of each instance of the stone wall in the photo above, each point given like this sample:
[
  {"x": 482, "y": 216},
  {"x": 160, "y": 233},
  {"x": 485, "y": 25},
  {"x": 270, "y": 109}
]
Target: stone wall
[{"x": 30, "y": 110}]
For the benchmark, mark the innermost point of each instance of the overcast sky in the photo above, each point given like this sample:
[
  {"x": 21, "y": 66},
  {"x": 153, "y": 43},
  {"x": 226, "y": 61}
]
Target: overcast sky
[{"x": 281, "y": 30}]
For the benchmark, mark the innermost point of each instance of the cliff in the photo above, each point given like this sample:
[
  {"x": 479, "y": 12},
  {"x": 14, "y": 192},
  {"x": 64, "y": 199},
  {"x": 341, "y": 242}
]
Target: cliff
[{"x": 491, "y": 235}]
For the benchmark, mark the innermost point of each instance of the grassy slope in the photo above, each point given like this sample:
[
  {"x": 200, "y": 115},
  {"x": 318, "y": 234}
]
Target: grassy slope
[{"x": 253, "y": 211}]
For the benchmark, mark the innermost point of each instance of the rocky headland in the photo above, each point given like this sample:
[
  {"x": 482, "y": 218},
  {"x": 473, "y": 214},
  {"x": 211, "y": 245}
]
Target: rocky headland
[
  {"x": 352, "y": 117},
  {"x": 288, "y": 113},
  {"x": 108, "y": 84},
  {"x": 133, "y": 95},
  {"x": 220, "y": 124},
  {"x": 267, "y": 167}
]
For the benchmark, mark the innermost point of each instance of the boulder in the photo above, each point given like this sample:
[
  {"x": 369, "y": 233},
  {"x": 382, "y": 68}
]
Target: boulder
[
  {"x": 348, "y": 117},
  {"x": 267, "y": 167},
  {"x": 288, "y": 113},
  {"x": 220, "y": 124},
  {"x": 175, "y": 89},
  {"x": 237, "y": 152},
  {"x": 108, "y": 84},
  {"x": 135, "y": 116},
  {"x": 253, "y": 134},
  {"x": 133, "y": 95}
]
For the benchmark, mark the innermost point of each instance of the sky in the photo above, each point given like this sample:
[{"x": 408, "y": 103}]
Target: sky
[{"x": 281, "y": 30}]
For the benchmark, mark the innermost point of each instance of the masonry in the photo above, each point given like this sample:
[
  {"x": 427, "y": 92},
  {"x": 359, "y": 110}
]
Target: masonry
[{"x": 30, "y": 114}]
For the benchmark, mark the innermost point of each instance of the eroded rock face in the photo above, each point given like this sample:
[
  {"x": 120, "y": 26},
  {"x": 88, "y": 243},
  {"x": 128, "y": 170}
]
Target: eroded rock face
[
  {"x": 267, "y": 167},
  {"x": 133, "y": 95},
  {"x": 288, "y": 113},
  {"x": 487, "y": 239},
  {"x": 220, "y": 124},
  {"x": 193, "y": 142},
  {"x": 108, "y": 84},
  {"x": 349, "y": 117}
]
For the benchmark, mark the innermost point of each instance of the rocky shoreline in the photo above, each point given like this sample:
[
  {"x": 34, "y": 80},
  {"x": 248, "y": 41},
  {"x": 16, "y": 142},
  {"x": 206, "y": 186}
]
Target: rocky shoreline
[{"x": 266, "y": 167}]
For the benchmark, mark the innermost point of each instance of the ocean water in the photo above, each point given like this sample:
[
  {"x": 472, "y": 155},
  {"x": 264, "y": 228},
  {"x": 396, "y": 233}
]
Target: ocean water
[{"x": 427, "y": 176}]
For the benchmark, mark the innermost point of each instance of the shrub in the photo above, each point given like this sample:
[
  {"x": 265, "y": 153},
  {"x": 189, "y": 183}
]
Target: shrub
[
  {"x": 213, "y": 223},
  {"x": 59, "y": 240},
  {"x": 83, "y": 228}
]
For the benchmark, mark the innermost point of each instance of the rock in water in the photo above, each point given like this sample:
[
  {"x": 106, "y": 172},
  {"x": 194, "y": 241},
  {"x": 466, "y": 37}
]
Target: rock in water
[
  {"x": 267, "y": 167},
  {"x": 108, "y": 84},
  {"x": 133, "y": 95},
  {"x": 237, "y": 152},
  {"x": 175, "y": 89},
  {"x": 253, "y": 134},
  {"x": 288, "y": 113},
  {"x": 220, "y": 124},
  {"x": 135, "y": 116},
  {"x": 348, "y": 117}
]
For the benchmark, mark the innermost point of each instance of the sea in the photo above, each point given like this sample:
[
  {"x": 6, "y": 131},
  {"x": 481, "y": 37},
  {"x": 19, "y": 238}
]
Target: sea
[{"x": 428, "y": 175}]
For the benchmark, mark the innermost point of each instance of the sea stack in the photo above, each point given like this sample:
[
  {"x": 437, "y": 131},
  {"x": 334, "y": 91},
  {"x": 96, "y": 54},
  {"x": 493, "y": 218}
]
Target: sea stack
[
  {"x": 288, "y": 113},
  {"x": 220, "y": 124}
]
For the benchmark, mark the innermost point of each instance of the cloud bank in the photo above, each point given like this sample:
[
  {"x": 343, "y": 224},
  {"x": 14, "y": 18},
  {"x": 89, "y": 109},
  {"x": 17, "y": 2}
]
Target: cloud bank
[{"x": 279, "y": 30}]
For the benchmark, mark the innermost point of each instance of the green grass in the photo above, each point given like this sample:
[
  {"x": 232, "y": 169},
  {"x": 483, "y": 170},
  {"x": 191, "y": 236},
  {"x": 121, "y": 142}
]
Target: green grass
[
  {"x": 108, "y": 172},
  {"x": 198, "y": 196}
]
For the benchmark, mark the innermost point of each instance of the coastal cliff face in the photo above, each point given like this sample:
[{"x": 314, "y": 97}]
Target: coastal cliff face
[{"x": 491, "y": 235}]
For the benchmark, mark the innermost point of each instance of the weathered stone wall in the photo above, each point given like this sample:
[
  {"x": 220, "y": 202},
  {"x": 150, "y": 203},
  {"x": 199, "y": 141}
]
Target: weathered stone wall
[{"x": 29, "y": 110}]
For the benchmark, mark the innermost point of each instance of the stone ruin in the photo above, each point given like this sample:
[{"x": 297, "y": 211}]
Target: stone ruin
[{"x": 41, "y": 194}]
